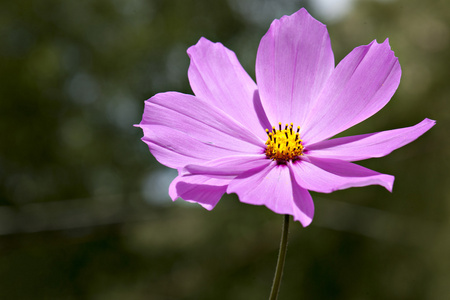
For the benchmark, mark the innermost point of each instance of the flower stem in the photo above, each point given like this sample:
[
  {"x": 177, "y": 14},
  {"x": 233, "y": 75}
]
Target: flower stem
[{"x": 281, "y": 258}]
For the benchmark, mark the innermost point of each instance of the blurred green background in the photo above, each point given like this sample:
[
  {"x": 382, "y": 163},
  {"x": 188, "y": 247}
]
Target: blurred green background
[{"x": 84, "y": 210}]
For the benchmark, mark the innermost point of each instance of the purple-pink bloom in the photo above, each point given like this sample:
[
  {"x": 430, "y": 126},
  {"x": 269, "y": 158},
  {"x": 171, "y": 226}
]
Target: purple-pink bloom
[{"x": 270, "y": 142}]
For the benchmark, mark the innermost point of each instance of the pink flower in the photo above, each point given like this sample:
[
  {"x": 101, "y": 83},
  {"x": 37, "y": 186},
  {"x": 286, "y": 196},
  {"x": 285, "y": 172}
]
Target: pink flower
[{"x": 269, "y": 142}]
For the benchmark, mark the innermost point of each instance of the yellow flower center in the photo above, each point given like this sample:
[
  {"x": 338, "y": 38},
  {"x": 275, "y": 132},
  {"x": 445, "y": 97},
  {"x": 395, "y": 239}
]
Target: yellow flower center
[{"x": 284, "y": 144}]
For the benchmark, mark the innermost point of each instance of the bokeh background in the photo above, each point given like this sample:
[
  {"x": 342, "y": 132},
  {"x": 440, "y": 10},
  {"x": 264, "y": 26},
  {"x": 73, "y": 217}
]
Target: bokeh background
[{"x": 84, "y": 210}]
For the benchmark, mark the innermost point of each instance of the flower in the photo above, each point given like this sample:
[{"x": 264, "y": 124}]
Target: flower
[{"x": 270, "y": 142}]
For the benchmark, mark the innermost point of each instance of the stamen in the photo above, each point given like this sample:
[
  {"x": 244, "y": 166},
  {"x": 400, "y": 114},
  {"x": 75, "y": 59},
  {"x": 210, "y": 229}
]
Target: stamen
[{"x": 285, "y": 144}]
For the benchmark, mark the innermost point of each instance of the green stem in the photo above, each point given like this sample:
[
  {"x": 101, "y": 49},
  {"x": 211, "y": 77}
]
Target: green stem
[{"x": 281, "y": 258}]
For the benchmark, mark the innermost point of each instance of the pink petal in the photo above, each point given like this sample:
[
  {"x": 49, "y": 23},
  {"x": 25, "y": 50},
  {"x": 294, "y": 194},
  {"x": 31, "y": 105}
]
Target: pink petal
[
  {"x": 275, "y": 188},
  {"x": 370, "y": 145},
  {"x": 201, "y": 189},
  {"x": 362, "y": 83},
  {"x": 217, "y": 77},
  {"x": 181, "y": 129},
  {"x": 293, "y": 62},
  {"x": 207, "y": 182},
  {"x": 229, "y": 166},
  {"x": 325, "y": 175}
]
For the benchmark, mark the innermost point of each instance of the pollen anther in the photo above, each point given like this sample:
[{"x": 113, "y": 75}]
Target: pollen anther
[{"x": 284, "y": 144}]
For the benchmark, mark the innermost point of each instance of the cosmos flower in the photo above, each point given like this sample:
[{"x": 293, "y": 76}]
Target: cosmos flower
[{"x": 270, "y": 142}]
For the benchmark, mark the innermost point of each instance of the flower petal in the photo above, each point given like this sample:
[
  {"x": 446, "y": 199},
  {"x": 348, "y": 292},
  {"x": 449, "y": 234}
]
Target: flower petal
[
  {"x": 207, "y": 182},
  {"x": 359, "y": 147},
  {"x": 275, "y": 188},
  {"x": 229, "y": 166},
  {"x": 216, "y": 76},
  {"x": 201, "y": 189},
  {"x": 362, "y": 84},
  {"x": 293, "y": 62},
  {"x": 181, "y": 129},
  {"x": 325, "y": 175}
]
